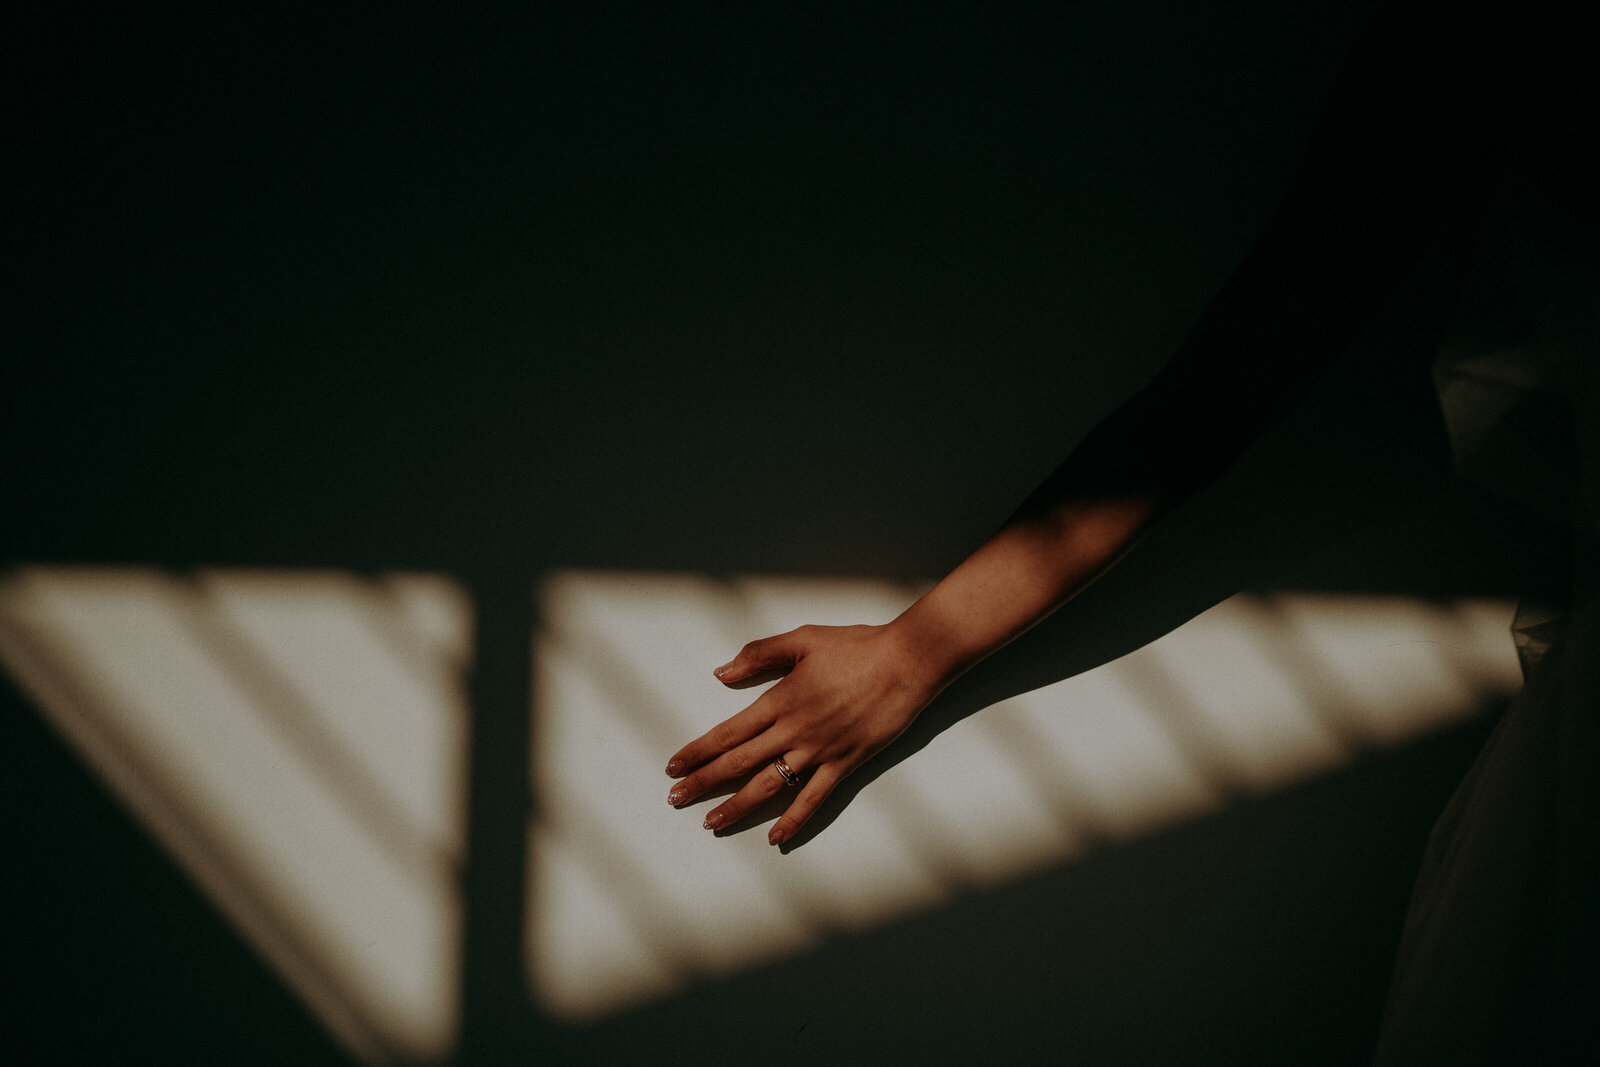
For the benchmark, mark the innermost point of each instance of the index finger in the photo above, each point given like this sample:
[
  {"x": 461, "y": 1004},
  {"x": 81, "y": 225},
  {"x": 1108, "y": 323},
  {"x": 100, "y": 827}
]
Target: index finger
[{"x": 723, "y": 737}]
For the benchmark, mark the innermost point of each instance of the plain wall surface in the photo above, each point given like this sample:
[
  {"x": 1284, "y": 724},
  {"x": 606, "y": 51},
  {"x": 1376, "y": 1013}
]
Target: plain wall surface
[{"x": 768, "y": 291}]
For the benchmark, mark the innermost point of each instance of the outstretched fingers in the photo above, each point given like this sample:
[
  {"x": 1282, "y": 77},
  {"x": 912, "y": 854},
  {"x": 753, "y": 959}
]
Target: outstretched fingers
[
  {"x": 813, "y": 788},
  {"x": 812, "y": 794},
  {"x": 797, "y": 721},
  {"x": 717, "y": 745},
  {"x": 734, "y": 766},
  {"x": 767, "y": 783}
]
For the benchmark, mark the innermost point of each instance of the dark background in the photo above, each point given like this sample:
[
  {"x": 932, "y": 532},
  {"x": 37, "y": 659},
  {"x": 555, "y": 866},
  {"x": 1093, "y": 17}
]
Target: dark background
[{"x": 768, "y": 289}]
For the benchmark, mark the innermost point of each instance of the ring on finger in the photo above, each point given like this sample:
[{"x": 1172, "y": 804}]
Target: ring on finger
[{"x": 788, "y": 774}]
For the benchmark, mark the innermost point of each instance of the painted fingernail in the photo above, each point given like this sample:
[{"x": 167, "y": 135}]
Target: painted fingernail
[
  {"x": 713, "y": 820},
  {"x": 674, "y": 769},
  {"x": 777, "y": 835},
  {"x": 676, "y": 797},
  {"x": 720, "y": 671}
]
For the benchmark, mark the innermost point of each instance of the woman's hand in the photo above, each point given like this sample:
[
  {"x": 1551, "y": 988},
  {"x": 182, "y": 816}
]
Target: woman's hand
[{"x": 845, "y": 693}]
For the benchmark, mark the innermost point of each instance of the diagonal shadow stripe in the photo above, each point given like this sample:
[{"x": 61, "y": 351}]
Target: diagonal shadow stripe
[
  {"x": 1168, "y": 704},
  {"x": 629, "y": 697},
  {"x": 217, "y": 856},
  {"x": 897, "y": 805},
  {"x": 1318, "y": 684},
  {"x": 595, "y": 847},
  {"x": 277, "y": 699},
  {"x": 385, "y": 621},
  {"x": 1062, "y": 792}
]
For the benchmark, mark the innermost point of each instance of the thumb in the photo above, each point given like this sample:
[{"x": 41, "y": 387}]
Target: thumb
[{"x": 761, "y": 661}]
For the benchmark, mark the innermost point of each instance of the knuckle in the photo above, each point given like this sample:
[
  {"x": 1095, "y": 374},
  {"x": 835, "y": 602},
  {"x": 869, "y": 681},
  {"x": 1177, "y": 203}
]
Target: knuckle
[{"x": 738, "y": 762}]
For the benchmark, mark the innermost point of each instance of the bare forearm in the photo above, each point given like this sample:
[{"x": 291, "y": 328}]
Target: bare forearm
[
  {"x": 1036, "y": 563},
  {"x": 1380, "y": 193},
  {"x": 1351, "y": 227}
]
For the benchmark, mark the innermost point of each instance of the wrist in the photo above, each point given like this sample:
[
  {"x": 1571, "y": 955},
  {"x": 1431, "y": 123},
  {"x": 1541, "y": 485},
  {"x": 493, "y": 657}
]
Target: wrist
[{"x": 930, "y": 646}]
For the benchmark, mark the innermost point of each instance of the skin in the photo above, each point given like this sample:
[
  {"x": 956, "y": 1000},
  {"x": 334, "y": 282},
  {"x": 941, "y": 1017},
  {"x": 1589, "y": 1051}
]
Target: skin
[
  {"x": 845, "y": 692},
  {"x": 1392, "y": 187}
]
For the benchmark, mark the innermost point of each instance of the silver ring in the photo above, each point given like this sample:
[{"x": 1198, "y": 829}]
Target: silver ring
[{"x": 789, "y": 777}]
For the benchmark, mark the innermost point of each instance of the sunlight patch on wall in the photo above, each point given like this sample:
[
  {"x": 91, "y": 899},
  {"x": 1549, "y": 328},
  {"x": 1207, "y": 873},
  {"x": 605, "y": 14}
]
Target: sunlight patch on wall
[
  {"x": 296, "y": 741},
  {"x": 629, "y": 899}
]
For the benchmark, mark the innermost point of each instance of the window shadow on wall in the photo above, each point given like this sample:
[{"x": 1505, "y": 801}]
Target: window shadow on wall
[{"x": 429, "y": 305}]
